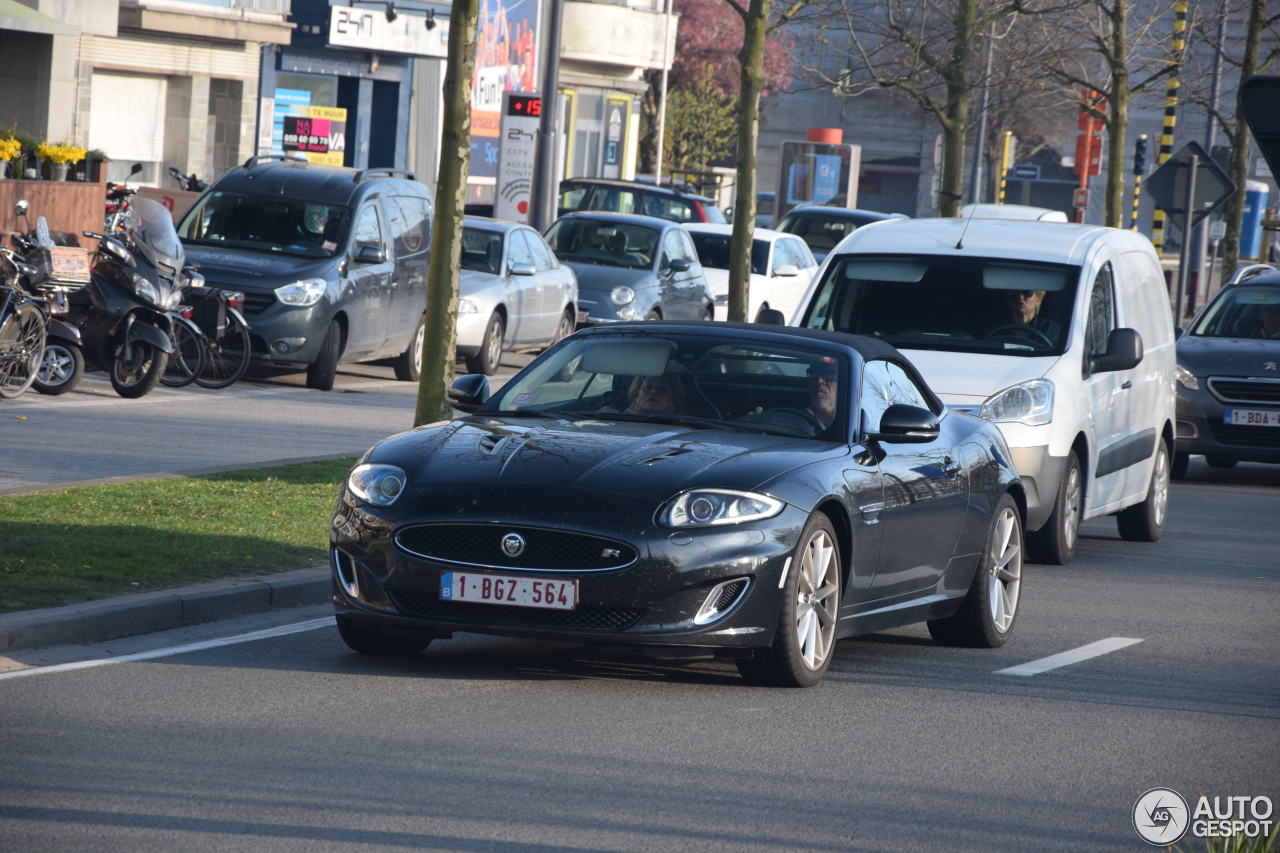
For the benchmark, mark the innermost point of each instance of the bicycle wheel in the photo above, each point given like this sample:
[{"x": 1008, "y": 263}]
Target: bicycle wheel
[
  {"x": 227, "y": 355},
  {"x": 22, "y": 334},
  {"x": 188, "y": 357}
]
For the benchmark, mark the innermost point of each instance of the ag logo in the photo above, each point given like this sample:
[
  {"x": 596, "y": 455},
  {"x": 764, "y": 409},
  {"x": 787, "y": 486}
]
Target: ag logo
[
  {"x": 513, "y": 544},
  {"x": 1160, "y": 816}
]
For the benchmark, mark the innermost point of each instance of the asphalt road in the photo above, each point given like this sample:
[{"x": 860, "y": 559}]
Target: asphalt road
[
  {"x": 91, "y": 433},
  {"x": 290, "y": 742}
]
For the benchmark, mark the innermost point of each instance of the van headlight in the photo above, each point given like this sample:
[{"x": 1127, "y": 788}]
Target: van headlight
[
  {"x": 302, "y": 293},
  {"x": 713, "y": 507},
  {"x": 1029, "y": 403},
  {"x": 375, "y": 484}
]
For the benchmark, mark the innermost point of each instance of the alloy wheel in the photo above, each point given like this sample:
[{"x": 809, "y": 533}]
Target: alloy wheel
[
  {"x": 57, "y": 366},
  {"x": 817, "y": 594},
  {"x": 1004, "y": 578},
  {"x": 1071, "y": 519},
  {"x": 1160, "y": 485}
]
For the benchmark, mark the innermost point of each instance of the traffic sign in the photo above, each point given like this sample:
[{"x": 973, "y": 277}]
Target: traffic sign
[
  {"x": 1080, "y": 197},
  {"x": 1168, "y": 185},
  {"x": 1026, "y": 172}
]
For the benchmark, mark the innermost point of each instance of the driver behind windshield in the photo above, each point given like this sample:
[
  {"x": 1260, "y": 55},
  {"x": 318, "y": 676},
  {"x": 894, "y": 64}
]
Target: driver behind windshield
[
  {"x": 1023, "y": 307},
  {"x": 823, "y": 392}
]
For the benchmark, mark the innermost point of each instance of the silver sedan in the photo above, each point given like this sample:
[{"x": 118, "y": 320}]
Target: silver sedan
[{"x": 513, "y": 293}]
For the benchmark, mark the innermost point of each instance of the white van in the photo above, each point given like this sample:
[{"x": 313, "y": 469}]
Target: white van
[{"x": 1061, "y": 334}]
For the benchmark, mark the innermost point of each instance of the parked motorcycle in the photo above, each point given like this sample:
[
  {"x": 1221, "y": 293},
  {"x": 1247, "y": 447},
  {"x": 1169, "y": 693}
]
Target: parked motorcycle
[
  {"x": 51, "y": 271},
  {"x": 188, "y": 182},
  {"x": 137, "y": 279}
]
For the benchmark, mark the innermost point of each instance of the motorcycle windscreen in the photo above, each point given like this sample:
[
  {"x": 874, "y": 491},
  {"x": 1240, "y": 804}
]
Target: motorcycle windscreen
[{"x": 154, "y": 234}]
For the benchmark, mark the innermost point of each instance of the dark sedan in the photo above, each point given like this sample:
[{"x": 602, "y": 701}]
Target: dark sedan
[
  {"x": 695, "y": 489},
  {"x": 1229, "y": 378},
  {"x": 631, "y": 268}
]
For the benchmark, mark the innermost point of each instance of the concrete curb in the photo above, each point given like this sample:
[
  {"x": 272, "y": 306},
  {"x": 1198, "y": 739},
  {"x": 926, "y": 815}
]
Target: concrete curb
[{"x": 111, "y": 618}]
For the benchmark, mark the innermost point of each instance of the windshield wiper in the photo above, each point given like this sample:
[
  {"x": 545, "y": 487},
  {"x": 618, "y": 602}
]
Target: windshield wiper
[{"x": 660, "y": 418}]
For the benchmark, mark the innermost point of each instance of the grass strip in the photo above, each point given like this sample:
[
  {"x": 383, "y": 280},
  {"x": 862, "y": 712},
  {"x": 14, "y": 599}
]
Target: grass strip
[{"x": 90, "y": 542}]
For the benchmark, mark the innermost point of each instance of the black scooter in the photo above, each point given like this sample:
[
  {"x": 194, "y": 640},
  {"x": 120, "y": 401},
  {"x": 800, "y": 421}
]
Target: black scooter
[{"x": 137, "y": 278}]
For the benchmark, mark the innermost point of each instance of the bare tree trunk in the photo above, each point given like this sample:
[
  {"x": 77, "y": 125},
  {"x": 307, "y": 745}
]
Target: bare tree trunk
[
  {"x": 1239, "y": 134},
  {"x": 755, "y": 19},
  {"x": 1118, "y": 116},
  {"x": 959, "y": 98},
  {"x": 446, "y": 231}
]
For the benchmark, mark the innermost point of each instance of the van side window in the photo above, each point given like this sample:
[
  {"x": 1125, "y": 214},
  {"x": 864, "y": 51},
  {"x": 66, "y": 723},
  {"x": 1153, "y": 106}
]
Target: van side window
[
  {"x": 407, "y": 219},
  {"x": 367, "y": 228},
  {"x": 1102, "y": 314}
]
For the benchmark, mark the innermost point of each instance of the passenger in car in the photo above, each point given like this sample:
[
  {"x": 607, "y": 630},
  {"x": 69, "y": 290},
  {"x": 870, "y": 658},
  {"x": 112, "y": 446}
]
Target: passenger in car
[{"x": 652, "y": 395}]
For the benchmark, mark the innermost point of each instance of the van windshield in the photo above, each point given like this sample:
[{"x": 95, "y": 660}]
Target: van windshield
[
  {"x": 945, "y": 303},
  {"x": 265, "y": 224}
]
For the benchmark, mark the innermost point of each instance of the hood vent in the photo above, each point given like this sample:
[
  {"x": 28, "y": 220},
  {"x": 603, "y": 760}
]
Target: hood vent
[{"x": 669, "y": 453}]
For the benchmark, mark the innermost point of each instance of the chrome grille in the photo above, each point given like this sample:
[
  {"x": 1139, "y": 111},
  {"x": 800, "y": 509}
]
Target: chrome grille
[
  {"x": 586, "y": 617},
  {"x": 544, "y": 550},
  {"x": 1230, "y": 389}
]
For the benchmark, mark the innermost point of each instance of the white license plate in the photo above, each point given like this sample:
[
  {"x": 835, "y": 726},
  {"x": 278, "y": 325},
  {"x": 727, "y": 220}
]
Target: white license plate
[
  {"x": 1252, "y": 417},
  {"x": 512, "y": 591}
]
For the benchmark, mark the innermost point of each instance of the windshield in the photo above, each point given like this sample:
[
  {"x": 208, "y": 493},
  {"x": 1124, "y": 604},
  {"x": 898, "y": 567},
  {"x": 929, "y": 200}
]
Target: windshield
[
  {"x": 742, "y": 386},
  {"x": 713, "y": 251},
  {"x": 820, "y": 230},
  {"x": 612, "y": 244},
  {"x": 1243, "y": 312},
  {"x": 481, "y": 250},
  {"x": 152, "y": 232},
  {"x": 947, "y": 303},
  {"x": 265, "y": 224}
]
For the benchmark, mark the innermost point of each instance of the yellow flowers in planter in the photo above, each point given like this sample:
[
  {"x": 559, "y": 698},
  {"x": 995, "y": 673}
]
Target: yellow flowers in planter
[
  {"x": 63, "y": 152},
  {"x": 9, "y": 148}
]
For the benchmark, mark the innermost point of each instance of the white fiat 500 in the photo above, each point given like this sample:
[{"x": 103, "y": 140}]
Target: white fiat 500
[
  {"x": 1061, "y": 334},
  {"x": 781, "y": 268}
]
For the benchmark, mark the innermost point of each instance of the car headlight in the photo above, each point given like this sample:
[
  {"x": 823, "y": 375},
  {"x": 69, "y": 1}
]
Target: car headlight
[
  {"x": 376, "y": 484},
  {"x": 1186, "y": 378},
  {"x": 303, "y": 293},
  {"x": 147, "y": 290},
  {"x": 1028, "y": 403},
  {"x": 466, "y": 306},
  {"x": 622, "y": 295},
  {"x": 711, "y": 507}
]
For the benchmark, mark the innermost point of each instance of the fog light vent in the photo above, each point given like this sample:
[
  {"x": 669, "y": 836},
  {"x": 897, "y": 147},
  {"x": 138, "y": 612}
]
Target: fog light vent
[
  {"x": 721, "y": 599},
  {"x": 1187, "y": 429},
  {"x": 345, "y": 571}
]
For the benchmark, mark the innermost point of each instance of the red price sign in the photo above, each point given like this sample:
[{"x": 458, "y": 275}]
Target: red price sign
[{"x": 524, "y": 105}]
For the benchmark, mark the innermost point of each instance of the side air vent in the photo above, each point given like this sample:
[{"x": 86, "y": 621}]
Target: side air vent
[{"x": 722, "y": 598}]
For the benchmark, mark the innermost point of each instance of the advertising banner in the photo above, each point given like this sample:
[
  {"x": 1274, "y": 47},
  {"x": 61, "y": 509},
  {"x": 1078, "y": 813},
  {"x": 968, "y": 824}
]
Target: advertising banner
[{"x": 506, "y": 61}]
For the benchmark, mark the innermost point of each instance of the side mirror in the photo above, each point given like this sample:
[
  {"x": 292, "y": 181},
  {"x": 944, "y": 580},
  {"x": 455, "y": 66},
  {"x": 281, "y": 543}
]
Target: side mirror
[
  {"x": 678, "y": 265},
  {"x": 786, "y": 271},
  {"x": 519, "y": 268},
  {"x": 21, "y": 208},
  {"x": 771, "y": 317},
  {"x": 903, "y": 424},
  {"x": 135, "y": 169},
  {"x": 1178, "y": 332},
  {"x": 371, "y": 254},
  {"x": 469, "y": 392},
  {"x": 1124, "y": 352}
]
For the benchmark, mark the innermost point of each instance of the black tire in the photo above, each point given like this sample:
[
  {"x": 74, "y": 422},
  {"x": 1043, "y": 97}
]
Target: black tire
[
  {"x": 986, "y": 618},
  {"x": 322, "y": 373},
  {"x": 654, "y": 314},
  {"x": 568, "y": 320},
  {"x": 795, "y": 660},
  {"x": 22, "y": 340},
  {"x": 136, "y": 377},
  {"x": 60, "y": 369},
  {"x": 1178, "y": 468},
  {"x": 1144, "y": 522},
  {"x": 486, "y": 361},
  {"x": 1221, "y": 462},
  {"x": 1055, "y": 543},
  {"x": 187, "y": 359},
  {"x": 227, "y": 356},
  {"x": 408, "y": 364},
  {"x": 369, "y": 639}
]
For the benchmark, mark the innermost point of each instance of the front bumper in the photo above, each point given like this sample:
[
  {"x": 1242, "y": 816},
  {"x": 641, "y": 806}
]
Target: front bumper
[
  {"x": 653, "y": 601},
  {"x": 1041, "y": 474},
  {"x": 1200, "y": 429},
  {"x": 299, "y": 330},
  {"x": 470, "y": 332},
  {"x": 596, "y": 310}
]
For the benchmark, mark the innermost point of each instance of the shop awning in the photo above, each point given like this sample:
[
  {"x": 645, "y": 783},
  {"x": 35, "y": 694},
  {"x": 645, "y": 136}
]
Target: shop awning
[{"x": 15, "y": 16}]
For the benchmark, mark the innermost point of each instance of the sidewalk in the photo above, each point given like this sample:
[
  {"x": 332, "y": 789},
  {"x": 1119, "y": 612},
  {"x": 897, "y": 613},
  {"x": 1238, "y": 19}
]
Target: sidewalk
[{"x": 111, "y": 618}]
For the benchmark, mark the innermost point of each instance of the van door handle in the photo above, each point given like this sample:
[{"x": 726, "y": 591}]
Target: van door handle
[{"x": 1126, "y": 385}]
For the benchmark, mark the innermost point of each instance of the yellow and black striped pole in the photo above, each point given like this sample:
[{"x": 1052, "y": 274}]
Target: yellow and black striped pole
[
  {"x": 1139, "y": 166},
  {"x": 1171, "y": 108},
  {"x": 1005, "y": 165}
]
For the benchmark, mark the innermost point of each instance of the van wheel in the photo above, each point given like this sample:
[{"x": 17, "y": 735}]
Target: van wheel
[
  {"x": 1178, "y": 468},
  {"x": 321, "y": 374},
  {"x": 1144, "y": 522},
  {"x": 1055, "y": 543},
  {"x": 486, "y": 361},
  {"x": 408, "y": 365}
]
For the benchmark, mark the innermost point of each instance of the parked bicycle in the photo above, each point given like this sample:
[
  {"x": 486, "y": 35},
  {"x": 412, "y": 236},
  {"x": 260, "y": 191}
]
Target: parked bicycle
[
  {"x": 22, "y": 330},
  {"x": 210, "y": 338}
]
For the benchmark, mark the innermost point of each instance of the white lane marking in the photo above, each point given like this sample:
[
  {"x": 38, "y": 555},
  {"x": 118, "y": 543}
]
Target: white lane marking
[
  {"x": 1093, "y": 650},
  {"x": 266, "y": 633}
]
